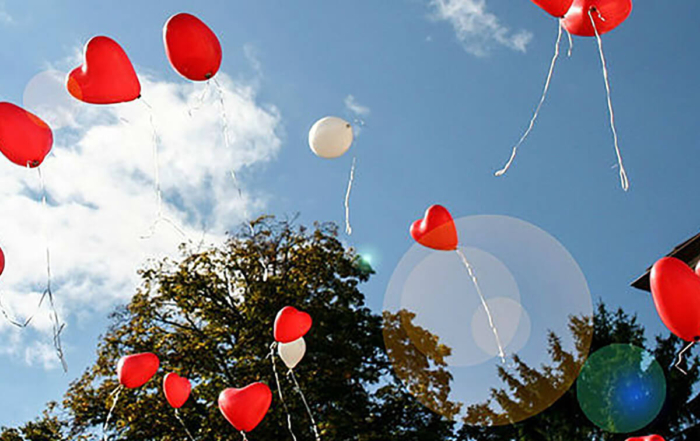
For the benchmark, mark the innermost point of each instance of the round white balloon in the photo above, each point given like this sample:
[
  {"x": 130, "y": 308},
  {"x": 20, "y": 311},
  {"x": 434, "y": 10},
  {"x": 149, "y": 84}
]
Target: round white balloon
[
  {"x": 292, "y": 353},
  {"x": 330, "y": 137}
]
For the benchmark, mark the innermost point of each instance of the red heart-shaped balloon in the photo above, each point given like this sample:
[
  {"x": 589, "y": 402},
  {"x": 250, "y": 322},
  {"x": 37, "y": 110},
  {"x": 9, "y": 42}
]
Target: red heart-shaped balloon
[
  {"x": 135, "y": 370},
  {"x": 647, "y": 438},
  {"x": 555, "y": 7},
  {"x": 607, "y": 15},
  {"x": 106, "y": 75},
  {"x": 192, "y": 48},
  {"x": 291, "y": 324},
  {"x": 245, "y": 408},
  {"x": 676, "y": 291},
  {"x": 177, "y": 389},
  {"x": 436, "y": 230},
  {"x": 2, "y": 261},
  {"x": 24, "y": 138}
]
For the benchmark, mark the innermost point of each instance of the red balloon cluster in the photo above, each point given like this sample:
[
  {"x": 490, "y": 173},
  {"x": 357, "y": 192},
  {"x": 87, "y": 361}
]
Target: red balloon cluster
[
  {"x": 607, "y": 14},
  {"x": 291, "y": 324},
  {"x": 675, "y": 288}
]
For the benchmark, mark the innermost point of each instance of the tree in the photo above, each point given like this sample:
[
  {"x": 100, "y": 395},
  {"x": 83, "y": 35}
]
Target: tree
[
  {"x": 209, "y": 318},
  {"x": 209, "y": 314}
]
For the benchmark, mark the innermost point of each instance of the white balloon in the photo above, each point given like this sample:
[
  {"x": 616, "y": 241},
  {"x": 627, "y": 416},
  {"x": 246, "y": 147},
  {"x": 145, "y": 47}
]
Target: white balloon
[
  {"x": 292, "y": 353},
  {"x": 330, "y": 137}
]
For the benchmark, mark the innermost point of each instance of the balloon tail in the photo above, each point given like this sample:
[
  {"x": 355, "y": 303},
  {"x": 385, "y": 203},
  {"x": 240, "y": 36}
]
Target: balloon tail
[
  {"x": 624, "y": 181},
  {"x": 200, "y": 100},
  {"x": 273, "y": 346},
  {"x": 505, "y": 168},
  {"x": 680, "y": 356},
  {"x": 314, "y": 427},
  {"x": 571, "y": 43},
  {"x": 234, "y": 178},
  {"x": 160, "y": 217},
  {"x": 48, "y": 293},
  {"x": 348, "y": 228},
  {"x": 114, "y": 393},
  {"x": 245, "y": 438},
  {"x": 472, "y": 275},
  {"x": 184, "y": 426}
]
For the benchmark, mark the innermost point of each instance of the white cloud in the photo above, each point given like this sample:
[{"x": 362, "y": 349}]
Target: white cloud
[
  {"x": 356, "y": 108},
  {"x": 5, "y": 17},
  {"x": 476, "y": 28},
  {"x": 100, "y": 183}
]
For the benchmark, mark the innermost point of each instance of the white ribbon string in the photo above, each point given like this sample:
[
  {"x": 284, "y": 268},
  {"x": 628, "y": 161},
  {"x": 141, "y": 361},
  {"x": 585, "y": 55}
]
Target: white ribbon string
[
  {"x": 160, "y": 217},
  {"x": 472, "y": 275},
  {"x": 314, "y": 427},
  {"x": 624, "y": 181},
  {"x": 680, "y": 356},
  {"x": 505, "y": 168},
  {"x": 273, "y": 346},
  {"x": 184, "y": 426},
  {"x": 56, "y": 321},
  {"x": 348, "y": 228},
  {"x": 114, "y": 393}
]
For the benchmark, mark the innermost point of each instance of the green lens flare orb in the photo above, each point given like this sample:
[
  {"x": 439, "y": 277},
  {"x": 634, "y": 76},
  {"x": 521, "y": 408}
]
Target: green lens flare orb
[{"x": 621, "y": 388}]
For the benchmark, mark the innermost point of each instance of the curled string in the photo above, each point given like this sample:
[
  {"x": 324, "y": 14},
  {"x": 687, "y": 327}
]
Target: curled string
[
  {"x": 348, "y": 228},
  {"x": 28, "y": 320},
  {"x": 505, "y": 168},
  {"x": 273, "y": 346},
  {"x": 200, "y": 101},
  {"x": 234, "y": 178},
  {"x": 160, "y": 217},
  {"x": 472, "y": 275},
  {"x": 306, "y": 404},
  {"x": 114, "y": 393},
  {"x": 245, "y": 438},
  {"x": 680, "y": 356},
  {"x": 571, "y": 42},
  {"x": 624, "y": 182},
  {"x": 184, "y": 426},
  {"x": 48, "y": 293}
]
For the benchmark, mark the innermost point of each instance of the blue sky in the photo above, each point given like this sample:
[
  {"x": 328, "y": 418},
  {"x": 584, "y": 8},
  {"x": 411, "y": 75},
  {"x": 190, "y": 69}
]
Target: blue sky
[{"x": 442, "y": 120}]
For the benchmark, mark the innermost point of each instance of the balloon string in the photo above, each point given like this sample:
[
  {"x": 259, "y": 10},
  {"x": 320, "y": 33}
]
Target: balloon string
[
  {"x": 348, "y": 228},
  {"x": 200, "y": 101},
  {"x": 189, "y": 435},
  {"x": 472, "y": 275},
  {"x": 57, "y": 325},
  {"x": 160, "y": 217},
  {"x": 571, "y": 42},
  {"x": 114, "y": 393},
  {"x": 680, "y": 356},
  {"x": 505, "y": 168},
  {"x": 227, "y": 144},
  {"x": 28, "y": 320},
  {"x": 624, "y": 181},
  {"x": 243, "y": 435},
  {"x": 273, "y": 346},
  {"x": 306, "y": 404}
]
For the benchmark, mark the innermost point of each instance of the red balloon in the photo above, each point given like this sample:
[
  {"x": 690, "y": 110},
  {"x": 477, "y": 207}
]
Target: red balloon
[
  {"x": 2, "y": 261},
  {"x": 177, "y": 389},
  {"x": 192, "y": 48},
  {"x": 24, "y": 138},
  {"x": 647, "y": 438},
  {"x": 613, "y": 13},
  {"x": 291, "y": 324},
  {"x": 676, "y": 291},
  {"x": 106, "y": 75},
  {"x": 555, "y": 7},
  {"x": 135, "y": 370},
  {"x": 436, "y": 230},
  {"x": 245, "y": 408}
]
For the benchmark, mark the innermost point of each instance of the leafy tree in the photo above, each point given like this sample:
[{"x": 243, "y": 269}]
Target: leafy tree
[{"x": 209, "y": 317}]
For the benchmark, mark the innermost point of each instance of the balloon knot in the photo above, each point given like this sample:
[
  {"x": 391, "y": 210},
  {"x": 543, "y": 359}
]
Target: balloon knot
[{"x": 208, "y": 75}]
